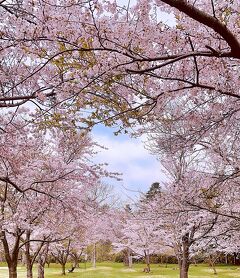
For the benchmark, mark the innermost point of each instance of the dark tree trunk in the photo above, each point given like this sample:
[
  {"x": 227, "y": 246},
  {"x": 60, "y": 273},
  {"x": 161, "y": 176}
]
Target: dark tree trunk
[
  {"x": 42, "y": 259},
  {"x": 11, "y": 257},
  {"x": 63, "y": 269},
  {"x": 234, "y": 258},
  {"x": 29, "y": 261},
  {"x": 29, "y": 271},
  {"x": 12, "y": 270},
  {"x": 184, "y": 259}
]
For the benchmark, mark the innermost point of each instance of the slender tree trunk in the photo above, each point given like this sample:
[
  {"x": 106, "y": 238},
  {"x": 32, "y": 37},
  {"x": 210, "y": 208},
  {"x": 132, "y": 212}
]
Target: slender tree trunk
[
  {"x": 76, "y": 259},
  {"x": 62, "y": 257},
  {"x": 94, "y": 255},
  {"x": 226, "y": 259},
  {"x": 41, "y": 269},
  {"x": 147, "y": 260},
  {"x": 29, "y": 270},
  {"x": 29, "y": 263},
  {"x": 212, "y": 264},
  {"x": 166, "y": 261},
  {"x": 184, "y": 261},
  {"x": 129, "y": 258},
  {"x": 214, "y": 269},
  {"x": 234, "y": 258},
  {"x": 42, "y": 259},
  {"x": 161, "y": 259},
  {"x": 63, "y": 269}
]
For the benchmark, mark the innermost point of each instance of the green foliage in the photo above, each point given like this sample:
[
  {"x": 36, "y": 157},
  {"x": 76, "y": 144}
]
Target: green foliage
[
  {"x": 154, "y": 189},
  {"x": 119, "y": 257},
  {"x": 104, "y": 251}
]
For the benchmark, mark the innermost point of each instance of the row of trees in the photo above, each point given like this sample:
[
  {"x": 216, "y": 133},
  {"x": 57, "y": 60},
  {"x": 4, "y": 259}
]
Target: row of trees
[
  {"x": 78, "y": 63},
  {"x": 50, "y": 193},
  {"x": 49, "y": 201},
  {"x": 192, "y": 216}
]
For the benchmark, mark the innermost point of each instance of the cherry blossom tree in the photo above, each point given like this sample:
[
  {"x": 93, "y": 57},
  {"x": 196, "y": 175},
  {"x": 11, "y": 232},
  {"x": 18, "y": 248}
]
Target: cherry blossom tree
[
  {"x": 197, "y": 211},
  {"x": 61, "y": 254},
  {"x": 78, "y": 251},
  {"x": 57, "y": 227},
  {"x": 40, "y": 176},
  {"x": 180, "y": 227},
  {"x": 79, "y": 226},
  {"x": 133, "y": 232},
  {"x": 179, "y": 78},
  {"x": 116, "y": 220},
  {"x": 140, "y": 235},
  {"x": 123, "y": 61},
  {"x": 97, "y": 224}
]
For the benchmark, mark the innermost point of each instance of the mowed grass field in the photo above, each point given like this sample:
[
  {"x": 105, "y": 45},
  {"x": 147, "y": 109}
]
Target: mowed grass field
[{"x": 117, "y": 270}]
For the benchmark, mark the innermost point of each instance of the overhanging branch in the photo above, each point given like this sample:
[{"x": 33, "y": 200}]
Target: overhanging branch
[{"x": 209, "y": 21}]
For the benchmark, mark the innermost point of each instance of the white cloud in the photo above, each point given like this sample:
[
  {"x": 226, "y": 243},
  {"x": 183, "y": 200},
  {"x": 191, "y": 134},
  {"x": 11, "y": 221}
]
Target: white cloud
[
  {"x": 121, "y": 150},
  {"x": 128, "y": 156}
]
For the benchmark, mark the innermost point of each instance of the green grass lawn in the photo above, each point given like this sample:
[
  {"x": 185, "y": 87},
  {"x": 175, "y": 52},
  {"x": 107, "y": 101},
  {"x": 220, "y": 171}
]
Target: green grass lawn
[{"x": 117, "y": 270}]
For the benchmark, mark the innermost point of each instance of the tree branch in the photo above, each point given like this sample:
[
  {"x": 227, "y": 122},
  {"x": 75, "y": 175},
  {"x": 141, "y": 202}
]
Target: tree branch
[{"x": 209, "y": 21}]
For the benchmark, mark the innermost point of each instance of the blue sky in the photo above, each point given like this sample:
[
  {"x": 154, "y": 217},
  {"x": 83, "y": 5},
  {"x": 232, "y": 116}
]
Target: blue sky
[{"x": 128, "y": 156}]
